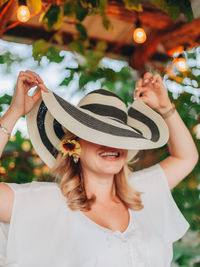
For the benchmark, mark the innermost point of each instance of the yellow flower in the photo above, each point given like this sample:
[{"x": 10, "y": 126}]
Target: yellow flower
[{"x": 70, "y": 147}]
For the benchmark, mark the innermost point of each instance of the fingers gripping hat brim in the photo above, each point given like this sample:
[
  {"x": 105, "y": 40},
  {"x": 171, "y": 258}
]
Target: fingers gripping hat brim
[{"x": 145, "y": 129}]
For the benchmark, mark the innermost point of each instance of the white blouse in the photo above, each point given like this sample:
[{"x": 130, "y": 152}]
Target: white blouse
[{"x": 44, "y": 232}]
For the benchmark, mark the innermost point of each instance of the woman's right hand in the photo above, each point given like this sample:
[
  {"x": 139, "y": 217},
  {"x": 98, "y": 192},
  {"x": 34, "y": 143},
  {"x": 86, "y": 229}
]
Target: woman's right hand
[{"x": 22, "y": 103}]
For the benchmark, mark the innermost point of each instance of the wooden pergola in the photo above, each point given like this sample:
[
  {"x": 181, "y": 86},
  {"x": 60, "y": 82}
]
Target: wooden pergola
[{"x": 163, "y": 34}]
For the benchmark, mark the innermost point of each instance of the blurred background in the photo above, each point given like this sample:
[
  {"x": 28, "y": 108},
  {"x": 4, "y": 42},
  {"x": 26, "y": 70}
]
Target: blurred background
[{"x": 81, "y": 45}]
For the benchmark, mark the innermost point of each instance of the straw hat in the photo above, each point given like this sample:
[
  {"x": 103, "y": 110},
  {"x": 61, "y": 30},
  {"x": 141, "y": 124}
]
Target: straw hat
[{"x": 100, "y": 117}]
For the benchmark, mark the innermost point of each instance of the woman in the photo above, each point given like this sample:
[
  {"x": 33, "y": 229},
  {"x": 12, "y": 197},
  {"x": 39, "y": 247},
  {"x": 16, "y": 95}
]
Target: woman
[{"x": 110, "y": 219}]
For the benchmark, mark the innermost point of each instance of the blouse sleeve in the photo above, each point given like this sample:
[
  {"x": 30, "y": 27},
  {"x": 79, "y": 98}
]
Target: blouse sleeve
[
  {"x": 4, "y": 227},
  {"x": 159, "y": 205},
  {"x": 31, "y": 201}
]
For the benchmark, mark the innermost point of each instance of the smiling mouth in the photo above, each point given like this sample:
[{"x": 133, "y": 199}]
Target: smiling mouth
[{"x": 110, "y": 154}]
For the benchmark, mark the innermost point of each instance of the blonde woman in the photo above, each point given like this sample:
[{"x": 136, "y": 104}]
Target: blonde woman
[{"x": 97, "y": 213}]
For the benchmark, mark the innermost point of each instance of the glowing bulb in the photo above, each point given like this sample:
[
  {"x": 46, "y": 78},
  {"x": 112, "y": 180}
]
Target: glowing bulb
[
  {"x": 26, "y": 146},
  {"x": 45, "y": 170},
  {"x": 23, "y": 13},
  {"x": 13, "y": 139},
  {"x": 181, "y": 64},
  {"x": 12, "y": 165},
  {"x": 2, "y": 170},
  {"x": 139, "y": 35},
  {"x": 37, "y": 171}
]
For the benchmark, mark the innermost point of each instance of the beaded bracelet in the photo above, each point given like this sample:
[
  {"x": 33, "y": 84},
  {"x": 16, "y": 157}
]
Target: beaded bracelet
[
  {"x": 169, "y": 112},
  {"x": 5, "y": 130}
]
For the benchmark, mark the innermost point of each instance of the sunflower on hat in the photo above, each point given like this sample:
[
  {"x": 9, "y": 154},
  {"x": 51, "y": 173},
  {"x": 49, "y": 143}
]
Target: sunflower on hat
[{"x": 70, "y": 147}]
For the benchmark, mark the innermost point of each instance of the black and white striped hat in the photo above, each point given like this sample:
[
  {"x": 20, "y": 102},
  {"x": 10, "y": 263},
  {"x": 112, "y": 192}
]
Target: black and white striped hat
[{"x": 101, "y": 117}]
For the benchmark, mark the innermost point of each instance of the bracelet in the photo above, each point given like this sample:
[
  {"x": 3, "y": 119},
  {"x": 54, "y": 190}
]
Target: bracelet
[
  {"x": 169, "y": 112},
  {"x": 5, "y": 130}
]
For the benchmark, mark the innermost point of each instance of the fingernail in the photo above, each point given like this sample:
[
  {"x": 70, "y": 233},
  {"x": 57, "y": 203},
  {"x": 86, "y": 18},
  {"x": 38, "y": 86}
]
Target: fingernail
[
  {"x": 135, "y": 98},
  {"x": 152, "y": 81},
  {"x": 136, "y": 88},
  {"x": 146, "y": 81}
]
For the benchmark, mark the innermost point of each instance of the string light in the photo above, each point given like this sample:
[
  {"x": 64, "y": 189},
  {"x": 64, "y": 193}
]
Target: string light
[
  {"x": 12, "y": 164},
  {"x": 139, "y": 35},
  {"x": 23, "y": 13},
  {"x": 37, "y": 171},
  {"x": 45, "y": 169},
  {"x": 13, "y": 139},
  {"x": 2, "y": 170},
  {"x": 181, "y": 64},
  {"x": 26, "y": 146}
]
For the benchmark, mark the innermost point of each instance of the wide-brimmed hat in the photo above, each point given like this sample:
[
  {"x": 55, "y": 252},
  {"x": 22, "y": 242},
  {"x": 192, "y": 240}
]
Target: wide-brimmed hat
[{"x": 101, "y": 117}]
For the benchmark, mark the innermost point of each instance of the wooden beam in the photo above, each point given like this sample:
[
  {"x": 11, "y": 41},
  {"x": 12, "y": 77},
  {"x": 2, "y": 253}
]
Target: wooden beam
[
  {"x": 187, "y": 35},
  {"x": 150, "y": 16},
  {"x": 5, "y": 14}
]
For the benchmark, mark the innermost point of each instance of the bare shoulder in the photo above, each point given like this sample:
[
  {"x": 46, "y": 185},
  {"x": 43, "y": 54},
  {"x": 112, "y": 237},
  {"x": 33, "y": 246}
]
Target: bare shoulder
[{"x": 6, "y": 202}]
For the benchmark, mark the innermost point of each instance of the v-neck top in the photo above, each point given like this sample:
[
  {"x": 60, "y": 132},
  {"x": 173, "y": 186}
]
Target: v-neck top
[
  {"x": 94, "y": 224},
  {"x": 45, "y": 232}
]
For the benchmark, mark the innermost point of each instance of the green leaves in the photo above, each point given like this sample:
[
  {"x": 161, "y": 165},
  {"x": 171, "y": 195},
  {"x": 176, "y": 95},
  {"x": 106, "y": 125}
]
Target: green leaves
[
  {"x": 8, "y": 59},
  {"x": 41, "y": 49},
  {"x": 185, "y": 253},
  {"x": 186, "y": 9},
  {"x": 68, "y": 9},
  {"x": 81, "y": 11},
  {"x": 82, "y": 31},
  {"x": 5, "y": 100},
  {"x": 77, "y": 9},
  {"x": 69, "y": 78},
  {"x": 133, "y": 5},
  {"x": 54, "y": 55},
  {"x": 52, "y": 16},
  {"x": 175, "y": 7},
  {"x": 77, "y": 46}
]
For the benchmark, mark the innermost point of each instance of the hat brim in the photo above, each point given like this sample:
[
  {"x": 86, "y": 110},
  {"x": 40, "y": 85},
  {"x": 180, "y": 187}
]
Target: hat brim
[{"x": 45, "y": 123}]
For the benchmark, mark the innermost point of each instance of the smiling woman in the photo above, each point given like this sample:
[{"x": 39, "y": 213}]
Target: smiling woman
[
  {"x": 95, "y": 160},
  {"x": 96, "y": 213}
]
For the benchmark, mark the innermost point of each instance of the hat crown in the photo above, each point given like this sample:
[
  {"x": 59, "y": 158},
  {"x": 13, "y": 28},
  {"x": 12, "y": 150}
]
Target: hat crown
[{"x": 105, "y": 103}]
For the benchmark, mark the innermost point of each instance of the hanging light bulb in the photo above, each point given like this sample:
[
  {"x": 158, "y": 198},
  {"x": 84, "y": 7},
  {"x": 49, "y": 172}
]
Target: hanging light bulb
[
  {"x": 180, "y": 63},
  {"x": 139, "y": 35},
  {"x": 23, "y": 13}
]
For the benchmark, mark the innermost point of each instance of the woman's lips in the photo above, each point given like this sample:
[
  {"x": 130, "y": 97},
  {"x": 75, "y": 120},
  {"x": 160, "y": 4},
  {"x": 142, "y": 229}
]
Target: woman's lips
[{"x": 109, "y": 155}]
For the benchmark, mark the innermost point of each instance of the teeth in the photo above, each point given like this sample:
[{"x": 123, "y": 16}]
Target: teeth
[{"x": 104, "y": 154}]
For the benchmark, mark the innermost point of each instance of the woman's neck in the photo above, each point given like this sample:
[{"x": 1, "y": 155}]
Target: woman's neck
[{"x": 102, "y": 186}]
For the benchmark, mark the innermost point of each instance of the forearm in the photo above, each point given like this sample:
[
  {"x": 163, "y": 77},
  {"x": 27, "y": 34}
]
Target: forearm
[
  {"x": 181, "y": 144},
  {"x": 8, "y": 121}
]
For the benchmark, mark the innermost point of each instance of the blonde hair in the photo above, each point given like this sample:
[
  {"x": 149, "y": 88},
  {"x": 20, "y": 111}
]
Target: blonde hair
[{"x": 70, "y": 178}]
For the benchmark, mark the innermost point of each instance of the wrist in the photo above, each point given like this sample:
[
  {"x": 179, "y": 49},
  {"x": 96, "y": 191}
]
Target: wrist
[
  {"x": 168, "y": 111},
  {"x": 12, "y": 111},
  {"x": 165, "y": 108}
]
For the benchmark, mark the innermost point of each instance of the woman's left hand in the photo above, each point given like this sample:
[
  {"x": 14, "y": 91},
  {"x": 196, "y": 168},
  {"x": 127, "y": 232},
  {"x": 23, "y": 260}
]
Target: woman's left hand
[{"x": 152, "y": 91}]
